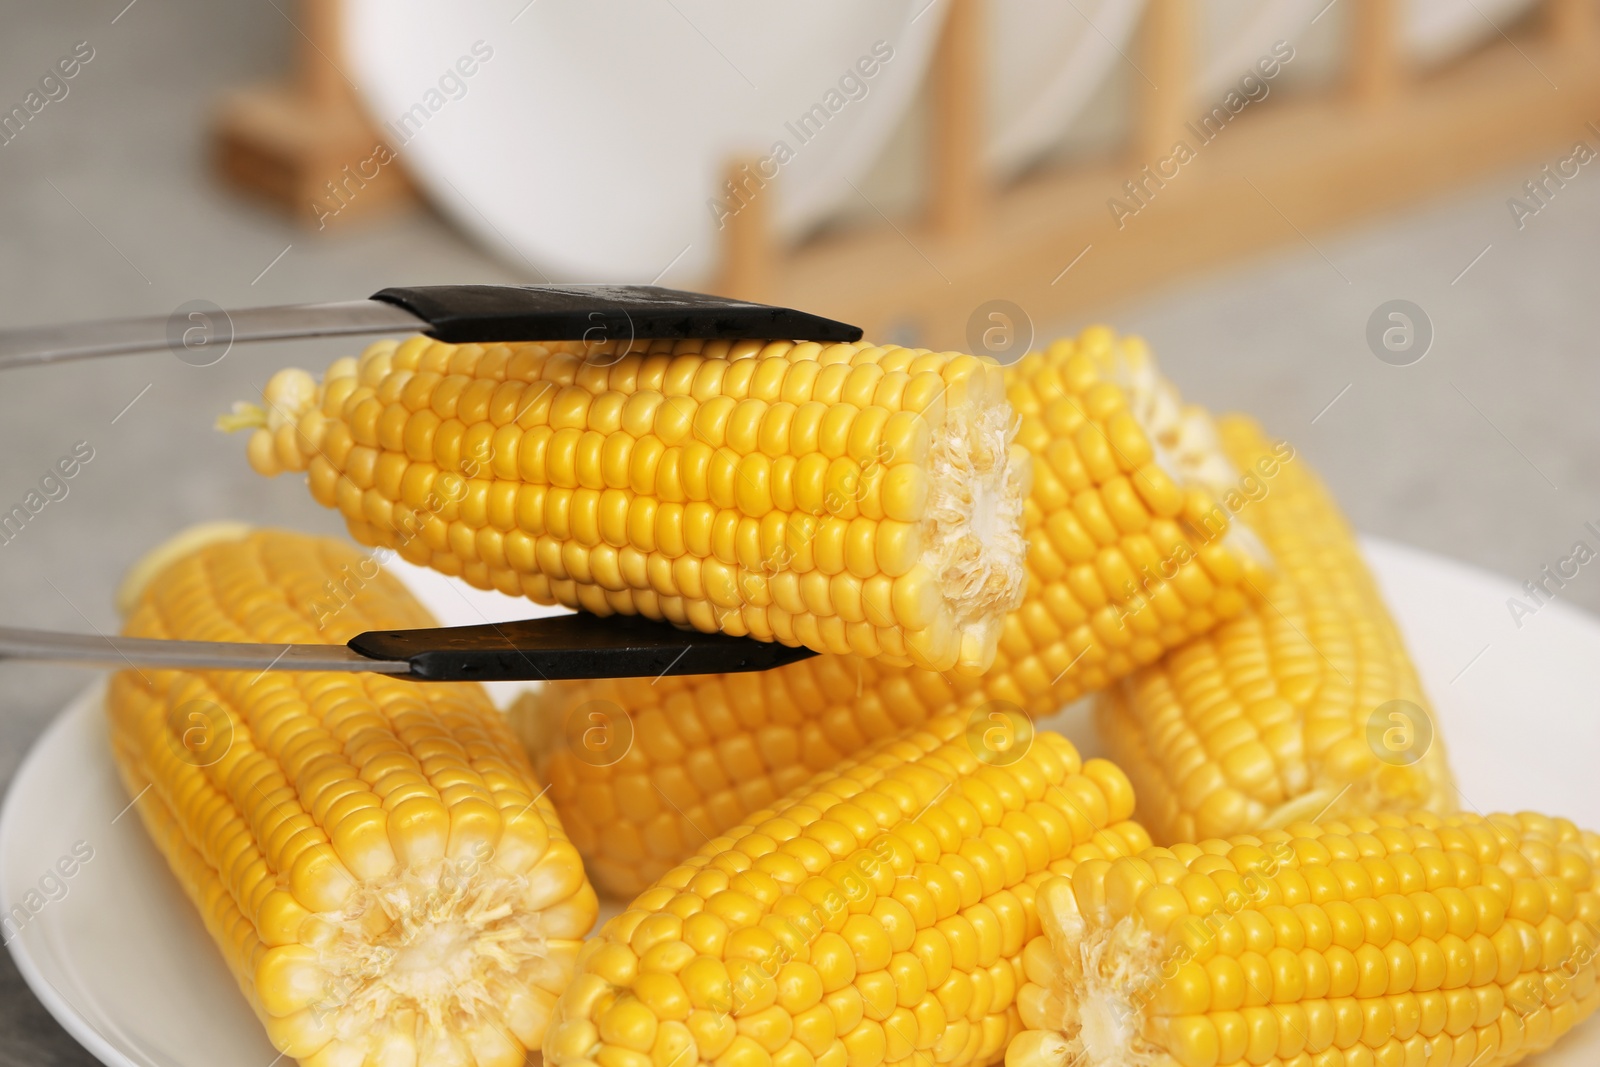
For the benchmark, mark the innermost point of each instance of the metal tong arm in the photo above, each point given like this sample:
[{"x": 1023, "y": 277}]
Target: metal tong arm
[
  {"x": 561, "y": 646},
  {"x": 459, "y": 314}
]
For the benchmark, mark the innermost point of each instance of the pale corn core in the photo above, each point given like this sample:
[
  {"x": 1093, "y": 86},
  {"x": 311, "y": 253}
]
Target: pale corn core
[
  {"x": 1100, "y": 1025},
  {"x": 975, "y": 541},
  {"x": 456, "y": 932}
]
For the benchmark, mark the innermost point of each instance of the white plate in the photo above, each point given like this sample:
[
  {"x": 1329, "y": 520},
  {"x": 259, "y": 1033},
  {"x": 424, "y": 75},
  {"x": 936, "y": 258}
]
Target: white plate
[
  {"x": 124, "y": 964},
  {"x": 591, "y": 137},
  {"x": 1045, "y": 61},
  {"x": 1436, "y": 30}
]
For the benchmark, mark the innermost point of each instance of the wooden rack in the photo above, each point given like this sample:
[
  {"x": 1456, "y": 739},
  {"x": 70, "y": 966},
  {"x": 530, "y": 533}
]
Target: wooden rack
[
  {"x": 302, "y": 145},
  {"x": 1285, "y": 171},
  {"x": 1384, "y": 138}
]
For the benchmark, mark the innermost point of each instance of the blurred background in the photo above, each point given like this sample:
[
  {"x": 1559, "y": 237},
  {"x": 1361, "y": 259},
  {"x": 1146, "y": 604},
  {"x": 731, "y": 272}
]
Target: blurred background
[{"x": 1371, "y": 223}]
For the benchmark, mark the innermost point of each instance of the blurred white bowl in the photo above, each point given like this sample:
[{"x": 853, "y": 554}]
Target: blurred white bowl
[
  {"x": 1437, "y": 30},
  {"x": 592, "y": 136},
  {"x": 1045, "y": 61},
  {"x": 1236, "y": 34}
]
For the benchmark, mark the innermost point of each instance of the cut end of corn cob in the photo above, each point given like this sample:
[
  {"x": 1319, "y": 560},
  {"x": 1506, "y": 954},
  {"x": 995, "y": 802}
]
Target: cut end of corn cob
[
  {"x": 849, "y": 498},
  {"x": 373, "y": 857},
  {"x": 1288, "y": 711},
  {"x": 876, "y": 915},
  {"x": 1399, "y": 939}
]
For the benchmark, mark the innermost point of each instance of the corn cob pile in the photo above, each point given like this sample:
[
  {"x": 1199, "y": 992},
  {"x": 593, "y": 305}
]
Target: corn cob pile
[
  {"x": 372, "y": 856},
  {"x": 836, "y": 863},
  {"x": 874, "y": 916},
  {"x": 1401, "y": 939},
  {"x": 1131, "y": 550},
  {"x": 849, "y": 498},
  {"x": 1305, "y": 704}
]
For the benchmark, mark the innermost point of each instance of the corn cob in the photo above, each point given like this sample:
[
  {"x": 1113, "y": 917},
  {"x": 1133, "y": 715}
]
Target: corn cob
[
  {"x": 848, "y": 498},
  {"x": 372, "y": 856},
  {"x": 1131, "y": 550},
  {"x": 1131, "y": 545},
  {"x": 872, "y": 916},
  {"x": 1408, "y": 940},
  {"x": 1305, "y": 703}
]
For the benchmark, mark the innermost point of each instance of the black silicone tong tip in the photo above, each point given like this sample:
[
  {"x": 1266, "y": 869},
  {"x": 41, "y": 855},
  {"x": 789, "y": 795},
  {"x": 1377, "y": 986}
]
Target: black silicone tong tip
[
  {"x": 461, "y": 314},
  {"x": 571, "y": 646}
]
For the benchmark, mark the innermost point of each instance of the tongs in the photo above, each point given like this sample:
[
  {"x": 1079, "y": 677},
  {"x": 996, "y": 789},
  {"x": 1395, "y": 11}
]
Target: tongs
[{"x": 580, "y": 645}]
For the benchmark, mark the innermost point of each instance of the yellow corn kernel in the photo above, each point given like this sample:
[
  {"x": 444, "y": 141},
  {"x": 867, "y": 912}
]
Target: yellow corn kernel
[
  {"x": 373, "y": 857},
  {"x": 855, "y": 919},
  {"x": 1094, "y": 611},
  {"x": 885, "y": 477},
  {"x": 1126, "y": 972},
  {"x": 1304, "y": 703}
]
